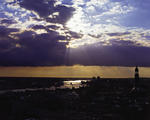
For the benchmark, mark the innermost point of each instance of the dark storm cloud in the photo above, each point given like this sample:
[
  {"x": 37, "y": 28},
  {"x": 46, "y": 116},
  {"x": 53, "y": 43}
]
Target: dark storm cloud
[
  {"x": 39, "y": 27},
  {"x": 47, "y": 28},
  {"x": 6, "y": 43},
  {"x": 46, "y": 8},
  {"x": 147, "y": 36},
  {"x": 75, "y": 35},
  {"x": 65, "y": 13},
  {"x": 118, "y": 34},
  {"x": 28, "y": 48},
  {"x": 39, "y": 6},
  {"x": 111, "y": 56},
  {"x": 95, "y": 36},
  {"x": 32, "y": 40},
  {"x": 4, "y": 31},
  {"x": 53, "y": 27},
  {"x": 7, "y": 21},
  {"x": 31, "y": 48},
  {"x": 42, "y": 49},
  {"x": 116, "y": 42}
]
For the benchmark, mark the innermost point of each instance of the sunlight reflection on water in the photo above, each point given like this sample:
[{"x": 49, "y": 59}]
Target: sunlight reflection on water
[
  {"x": 67, "y": 84},
  {"x": 73, "y": 83}
]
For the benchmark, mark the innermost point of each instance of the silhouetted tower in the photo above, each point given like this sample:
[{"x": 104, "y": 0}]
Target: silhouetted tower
[
  {"x": 136, "y": 73},
  {"x": 136, "y": 76}
]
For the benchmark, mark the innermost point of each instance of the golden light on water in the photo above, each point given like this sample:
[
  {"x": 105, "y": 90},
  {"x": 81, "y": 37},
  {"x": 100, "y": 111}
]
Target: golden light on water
[
  {"x": 73, "y": 71},
  {"x": 73, "y": 83}
]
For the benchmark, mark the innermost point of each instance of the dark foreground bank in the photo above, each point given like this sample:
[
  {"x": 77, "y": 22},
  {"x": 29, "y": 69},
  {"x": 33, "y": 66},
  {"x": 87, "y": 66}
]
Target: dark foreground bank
[{"x": 104, "y": 99}]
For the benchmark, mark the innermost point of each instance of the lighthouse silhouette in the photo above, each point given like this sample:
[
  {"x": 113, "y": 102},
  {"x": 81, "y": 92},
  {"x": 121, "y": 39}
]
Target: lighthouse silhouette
[{"x": 136, "y": 76}]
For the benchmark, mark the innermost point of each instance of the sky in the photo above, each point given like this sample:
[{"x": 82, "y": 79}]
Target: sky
[{"x": 75, "y": 32}]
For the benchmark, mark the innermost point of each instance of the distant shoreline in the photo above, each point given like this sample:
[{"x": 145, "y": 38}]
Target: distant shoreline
[{"x": 46, "y": 78}]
